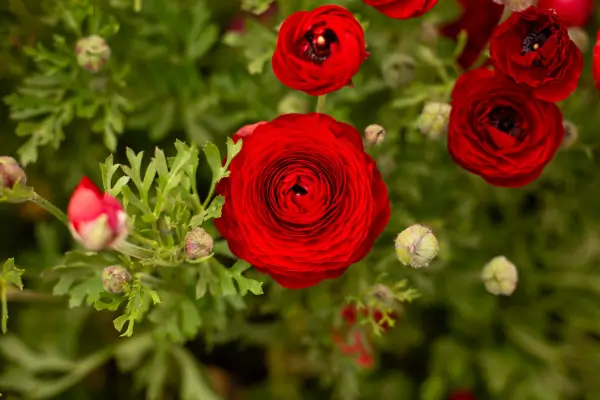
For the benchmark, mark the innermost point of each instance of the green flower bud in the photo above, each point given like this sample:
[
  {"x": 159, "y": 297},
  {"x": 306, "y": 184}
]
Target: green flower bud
[
  {"x": 92, "y": 53},
  {"x": 580, "y": 38},
  {"x": 517, "y": 5},
  {"x": 500, "y": 276},
  {"x": 571, "y": 134},
  {"x": 433, "y": 121},
  {"x": 416, "y": 246},
  {"x": 10, "y": 173},
  {"x": 198, "y": 244},
  {"x": 374, "y": 134},
  {"x": 292, "y": 103},
  {"x": 398, "y": 70},
  {"x": 114, "y": 279},
  {"x": 383, "y": 295}
]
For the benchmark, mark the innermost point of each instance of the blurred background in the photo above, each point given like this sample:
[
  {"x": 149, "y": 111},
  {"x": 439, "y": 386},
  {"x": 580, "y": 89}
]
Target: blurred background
[{"x": 197, "y": 70}]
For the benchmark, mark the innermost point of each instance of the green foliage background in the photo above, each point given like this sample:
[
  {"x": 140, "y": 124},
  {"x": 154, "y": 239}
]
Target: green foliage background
[{"x": 177, "y": 73}]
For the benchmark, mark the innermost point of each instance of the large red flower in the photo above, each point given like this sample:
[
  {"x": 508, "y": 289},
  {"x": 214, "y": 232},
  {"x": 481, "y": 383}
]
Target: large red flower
[
  {"x": 500, "y": 131},
  {"x": 571, "y": 12},
  {"x": 402, "y": 9},
  {"x": 478, "y": 20},
  {"x": 534, "y": 49},
  {"x": 596, "y": 61},
  {"x": 96, "y": 220},
  {"x": 304, "y": 201},
  {"x": 319, "y": 52}
]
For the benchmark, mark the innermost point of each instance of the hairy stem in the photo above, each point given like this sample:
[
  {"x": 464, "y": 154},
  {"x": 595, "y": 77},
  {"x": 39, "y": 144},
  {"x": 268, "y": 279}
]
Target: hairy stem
[
  {"x": 321, "y": 102},
  {"x": 51, "y": 208}
]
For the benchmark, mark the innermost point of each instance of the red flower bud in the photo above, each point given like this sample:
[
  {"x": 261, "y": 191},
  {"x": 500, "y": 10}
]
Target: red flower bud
[{"x": 96, "y": 220}]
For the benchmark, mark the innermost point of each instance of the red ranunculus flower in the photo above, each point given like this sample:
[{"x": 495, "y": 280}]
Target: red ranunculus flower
[
  {"x": 478, "y": 20},
  {"x": 534, "y": 49},
  {"x": 354, "y": 340},
  {"x": 96, "y": 220},
  {"x": 319, "y": 52},
  {"x": 500, "y": 131},
  {"x": 304, "y": 201},
  {"x": 462, "y": 395},
  {"x": 402, "y": 9},
  {"x": 571, "y": 12},
  {"x": 596, "y": 61}
]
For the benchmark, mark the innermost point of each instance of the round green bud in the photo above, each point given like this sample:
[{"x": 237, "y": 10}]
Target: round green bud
[
  {"x": 198, "y": 244},
  {"x": 374, "y": 134},
  {"x": 500, "y": 276},
  {"x": 571, "y": 135},
  {"x": 92, "y": 53},
  {"x": 433, "y": 121},
  {"x": 10, "y": 173},
  {"x": 416, "y": 246},
  {"x": 114, "y": 279}
]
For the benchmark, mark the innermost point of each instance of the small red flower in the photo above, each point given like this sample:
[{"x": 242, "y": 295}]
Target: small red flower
[
  {"x": 402, "y": 9},
  {"x": 303, "y": 201},
  {"x": 478, "y": 20},
  {"x": 500, "y": 131},
  {"x": 319, "y": 52},
  {"x": 596, "y": 61},
  {"x": 462, "y": 395},
  {"x": 96, "y": 220},
  {"x": 354, "y": 340},
  {"x": 571, "y": 12},
  {"x": 534, "y": 49}
]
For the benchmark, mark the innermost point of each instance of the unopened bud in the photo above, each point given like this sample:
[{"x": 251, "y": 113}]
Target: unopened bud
[
  {"x": 416, "y": 246},
  {"x": 571, "y": 134},
  {"x": 92, "y": 53},
  {"x": 500, "y": 276},
  {"x": 398, "y": 70},
  {"x": 374, "y": 134},
  {"x": 383, "y": 295},
  {"x": 433, "y": 121},
  {"x": 580, "y": 38},
  {"x": 517, "y": 5},
  {"x": 114, "y": 279},
  {"x": 198, "y": 244},
  {"x": 10, "y": 173},
  {"x": 429, "y": 32},
  {"x": 292, "y": 103}
]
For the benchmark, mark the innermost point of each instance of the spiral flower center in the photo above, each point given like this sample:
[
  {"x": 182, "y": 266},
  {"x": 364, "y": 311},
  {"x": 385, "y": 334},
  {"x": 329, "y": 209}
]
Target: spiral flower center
[
  {"x": 316, "y": 44},
  {"x": 299, "y": 190},
  {"x": 535, "y": 40},
  {"x": 506, "y": 119}
]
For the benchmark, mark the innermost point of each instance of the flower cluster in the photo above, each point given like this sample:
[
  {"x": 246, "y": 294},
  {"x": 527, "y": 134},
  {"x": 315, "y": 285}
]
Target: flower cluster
[{"x": 504, "y": 125}]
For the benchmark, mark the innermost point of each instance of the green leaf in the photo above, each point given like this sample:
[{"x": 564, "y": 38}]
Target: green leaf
[
  {"x": 139, "y": 298},
  {"x": 256, "y": 7},
  {"x": 213, "y": 157},
  {"x": 89, "y": 291},
  {"x": 193, "y": 385},
  {"x": 10, "y": 275}
]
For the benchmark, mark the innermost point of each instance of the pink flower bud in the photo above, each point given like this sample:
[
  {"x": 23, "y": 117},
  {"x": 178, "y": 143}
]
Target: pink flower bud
[{"x": 96, "y": 220}]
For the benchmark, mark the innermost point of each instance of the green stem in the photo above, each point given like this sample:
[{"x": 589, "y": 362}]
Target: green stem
[
  {"x": 137, "y": 5},
  {"x": 51, "y": 208},
  {"x": 321, "y": 101},
  {"x": 134, "y": 251}
]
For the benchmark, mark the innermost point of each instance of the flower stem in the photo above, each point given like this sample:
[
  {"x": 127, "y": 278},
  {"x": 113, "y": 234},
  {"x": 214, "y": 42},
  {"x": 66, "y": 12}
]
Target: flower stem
[
  {"x": 137, "y": 5},
  {"x": 51, "y": 208},
  {"x": 321, "y": 101},
  {"x": 133, "y": 250}
]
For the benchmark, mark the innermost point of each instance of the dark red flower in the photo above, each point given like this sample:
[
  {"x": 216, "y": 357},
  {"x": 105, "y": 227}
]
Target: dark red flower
[
  {"x": 402, "y": 9},
  {"x": 96, "y": 220},
  {"x": 319, "y": 52},
  {"x": 534, "y": 49},
  {"x": 571, "y": 12},
  {"x": 596, "y": 61},
  {"x": 462, "y": 395},
  {"x": 500, "y": 131},
  {"x": 304, "y": 201},
  {"x": 478, "y": 20}
]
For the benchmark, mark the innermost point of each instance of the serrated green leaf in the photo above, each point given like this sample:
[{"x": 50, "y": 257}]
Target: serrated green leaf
[
  {"x": 10, "y": 275},
  {"x": 213, "y": 157},
  {"x": 89, "y": 291},
  {"x": 193, "y": 385}
]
